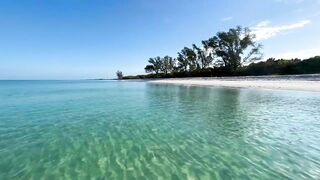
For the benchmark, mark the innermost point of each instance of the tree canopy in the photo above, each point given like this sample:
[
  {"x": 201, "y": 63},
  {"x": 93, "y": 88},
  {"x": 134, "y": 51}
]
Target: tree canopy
[
  {"x": 232, "y": 46},
  {"x": 234, "y": 52},
  {"x": 229, "y": 49},
  {"x": 119, "y": 74}
]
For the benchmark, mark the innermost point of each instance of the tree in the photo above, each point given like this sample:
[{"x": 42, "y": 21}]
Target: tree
[
  {"x": 149, "y": 68},
  {"x": 167, "y": 65},
  {"x": 204, "y": 57},
  {"x": 172, "y": 65},
  {"x": 158, "y": 64},
  {"x": 188, "y": 59},
  {"x": 235, "y": 47},
  {"x": 119, "y": 74},
  {"x": 182, "y": 63},
  {"x": 155, "y": 63}
]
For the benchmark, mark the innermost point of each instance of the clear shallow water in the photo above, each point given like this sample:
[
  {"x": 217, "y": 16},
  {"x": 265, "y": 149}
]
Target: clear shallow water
[{"x": 136, "y": 130}]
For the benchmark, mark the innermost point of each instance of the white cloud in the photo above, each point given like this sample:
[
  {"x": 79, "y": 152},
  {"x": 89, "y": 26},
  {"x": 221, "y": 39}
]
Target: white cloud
[
  {"x": 302, "y": 54},
  {"x": 263, "y": 30},
  {"x": 227, "y": 18},
  {"x": 290, "y": 1},
  {"x": 298, "y": 2}
]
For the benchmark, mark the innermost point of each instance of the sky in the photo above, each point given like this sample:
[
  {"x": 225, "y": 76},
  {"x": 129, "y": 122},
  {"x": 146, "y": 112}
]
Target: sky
[{"x": 83, "y": 39}]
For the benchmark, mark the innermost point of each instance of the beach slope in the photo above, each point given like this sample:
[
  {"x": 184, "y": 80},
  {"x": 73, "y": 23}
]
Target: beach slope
[{"x": 293, "y": 82}]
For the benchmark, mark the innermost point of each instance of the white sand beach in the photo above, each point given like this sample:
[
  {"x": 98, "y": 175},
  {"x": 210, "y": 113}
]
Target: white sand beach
[{"x": 300, "y": 83}]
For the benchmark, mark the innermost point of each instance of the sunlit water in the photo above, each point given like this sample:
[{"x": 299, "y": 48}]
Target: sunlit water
[{"x": 137, "y": 130}]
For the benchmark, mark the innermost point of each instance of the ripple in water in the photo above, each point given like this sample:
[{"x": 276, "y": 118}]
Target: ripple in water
[{"x": 135, "y": 130}]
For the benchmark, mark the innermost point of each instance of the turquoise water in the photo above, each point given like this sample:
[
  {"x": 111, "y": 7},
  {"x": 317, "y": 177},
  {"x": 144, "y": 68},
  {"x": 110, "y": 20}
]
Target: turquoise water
[{"x": 136, "y": 130}]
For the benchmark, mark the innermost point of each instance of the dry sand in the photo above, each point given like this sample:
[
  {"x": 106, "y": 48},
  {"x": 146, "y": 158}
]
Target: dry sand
[{"x": 266, "y": 82}]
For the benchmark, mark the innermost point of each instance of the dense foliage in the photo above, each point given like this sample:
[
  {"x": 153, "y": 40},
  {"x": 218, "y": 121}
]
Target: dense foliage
[
  {"x": 281, "y": 67},
  {"x": 231, "y": 53},
  {"x": 227, "y": 49},
  {"x": 269, "y": 67}
]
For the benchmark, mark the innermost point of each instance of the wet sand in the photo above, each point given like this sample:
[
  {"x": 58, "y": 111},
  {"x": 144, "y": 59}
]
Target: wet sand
[{"x": 291, "y": 82}]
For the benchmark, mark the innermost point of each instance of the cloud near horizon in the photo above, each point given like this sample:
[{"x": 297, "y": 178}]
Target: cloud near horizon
[
  {"x": 302, "y": 54},
  {"x": 264, "y": 31}
]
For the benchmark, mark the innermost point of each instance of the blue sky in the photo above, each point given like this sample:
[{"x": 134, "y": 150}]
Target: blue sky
[{"x": 79, "y": 39}]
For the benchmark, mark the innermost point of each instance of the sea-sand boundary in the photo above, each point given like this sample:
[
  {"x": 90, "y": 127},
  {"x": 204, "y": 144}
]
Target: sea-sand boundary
[{"x": 287, "y": 82}]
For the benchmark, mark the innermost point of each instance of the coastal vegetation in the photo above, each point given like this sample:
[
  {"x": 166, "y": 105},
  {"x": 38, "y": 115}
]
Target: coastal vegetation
[
  {"x": 281, "y": 67},
  {"x": 230, "y": 53},
  {"x": 119, "y": 74}
]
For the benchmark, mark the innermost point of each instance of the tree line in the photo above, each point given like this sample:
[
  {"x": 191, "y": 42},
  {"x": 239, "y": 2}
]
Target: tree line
[
  {"x": 229, "y": 50},
  {"x": 270, "y": 67},
  {"x": 274, "y": 66},
  {"x": 232, "y": 52}
]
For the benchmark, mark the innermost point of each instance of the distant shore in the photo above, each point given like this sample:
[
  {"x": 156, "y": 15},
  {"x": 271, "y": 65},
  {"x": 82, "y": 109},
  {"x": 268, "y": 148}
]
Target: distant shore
[{"x": 287, "y": 82}]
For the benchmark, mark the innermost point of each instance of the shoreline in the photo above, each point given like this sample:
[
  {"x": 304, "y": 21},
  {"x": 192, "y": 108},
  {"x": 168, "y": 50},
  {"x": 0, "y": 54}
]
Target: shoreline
[{"x": 276, "y": 82}]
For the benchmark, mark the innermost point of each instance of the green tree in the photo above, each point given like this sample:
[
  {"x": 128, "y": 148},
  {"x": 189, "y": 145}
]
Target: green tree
[
  {"x": 167, "y": 65},
  {"x": 189, "y": 57},
  {"x": 182, "y": 63},
  {"x": 149, "y": 68},
  {"x": 156, "y": 64},
  {"x": 235, "y": 47},
  {"x": 119, "y": 74},
  {"x": 173, "y": 64},
  {"x": 204, "y": 56}
]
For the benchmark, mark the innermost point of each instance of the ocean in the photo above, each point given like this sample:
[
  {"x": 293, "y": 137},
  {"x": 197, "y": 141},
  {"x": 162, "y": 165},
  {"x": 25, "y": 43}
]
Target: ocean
[{"x": 136, "y": 130}]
